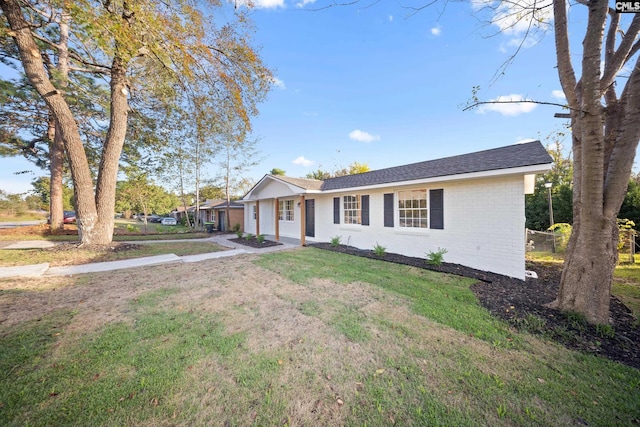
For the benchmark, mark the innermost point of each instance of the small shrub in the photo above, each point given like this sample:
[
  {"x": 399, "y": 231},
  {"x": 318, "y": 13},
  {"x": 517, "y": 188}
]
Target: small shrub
[
  {"x": 260, "y": 238},
  {"x": 236, "y": 228},
  {"x": 335, "y": 241},
  {"x": 133, "y": 228},
  {"x": 248, "y": 237},
  {"x": 239, "y": 234},
  {"x": 437, "y": 257},
  {"x": 379, "y": 250}
]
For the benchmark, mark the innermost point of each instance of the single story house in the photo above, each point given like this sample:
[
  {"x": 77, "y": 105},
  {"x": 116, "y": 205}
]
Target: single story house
[
  {"x": 215, "y": 211},
  {"x": 236, "y": 215},
  {"x": 471, "y": 205}
]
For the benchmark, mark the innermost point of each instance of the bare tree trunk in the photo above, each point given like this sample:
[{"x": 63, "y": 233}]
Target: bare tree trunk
[
  {"x": 56, "y": 170},
  {"x": 56, "y": 150},
  {"x": 105, "y": 197}
]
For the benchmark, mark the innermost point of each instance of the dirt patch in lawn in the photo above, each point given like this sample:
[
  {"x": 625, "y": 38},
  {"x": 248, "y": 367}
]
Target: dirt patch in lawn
[
  {"x": 522, "y": 304},
  {"x": 42, "y": 230}
]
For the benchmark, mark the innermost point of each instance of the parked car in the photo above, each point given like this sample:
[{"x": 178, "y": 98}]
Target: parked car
[
  {"x": 69, "y": 217},
  {"x": 154, "y": 218},
  {"x": 168, "y": 221}
]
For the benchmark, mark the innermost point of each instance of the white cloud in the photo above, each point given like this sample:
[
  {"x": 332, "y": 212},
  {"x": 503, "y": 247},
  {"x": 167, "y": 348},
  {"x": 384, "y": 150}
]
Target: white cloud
[
  {"x": 508, "y": 105},
  {"x": 559, "y": 94},
  {"x": 358, "y": 135},
  {"x": 436, "y": 31},
  {"x": 525, "y": 140},
  {"x": 390, "y": 18},
  {"x": 260, "y": 4},
  {"x": 278, "y": 83},
  {"x": 302, "y": 161},
  {"x": 514, "y": 19},
  {"x": 303, "y": 3}
]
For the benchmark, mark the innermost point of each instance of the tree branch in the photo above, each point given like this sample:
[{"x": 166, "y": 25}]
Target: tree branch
[
  {"x": 620, "y": 56},
  {"x": 524, "y": 101},
  {"x": 563, "y": 54}
]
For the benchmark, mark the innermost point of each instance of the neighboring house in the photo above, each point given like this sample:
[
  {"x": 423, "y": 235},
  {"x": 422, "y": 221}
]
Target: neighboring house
[
  {"x": 215, "y": 211},
  {"x": 472, "y": 205},
  {"x": 236, "y": 215}
]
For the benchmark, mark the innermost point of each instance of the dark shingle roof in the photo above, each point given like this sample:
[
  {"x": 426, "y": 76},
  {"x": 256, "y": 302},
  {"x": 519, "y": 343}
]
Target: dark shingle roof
[
  {"x": 512, "y": 156},
  {"x": 307, "y": 184}
]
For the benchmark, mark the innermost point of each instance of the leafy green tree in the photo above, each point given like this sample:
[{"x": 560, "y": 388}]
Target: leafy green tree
[
  {"x": 319, "y": 174},
  {"x": 146, "y": 50},
  {"x": 139, "y": 194},
  {"x": 352, "y": 169},
  {"x": 211, "y": 192},
  {"x": 277, "y": 171},
  {"x": 42, "y": 187}
]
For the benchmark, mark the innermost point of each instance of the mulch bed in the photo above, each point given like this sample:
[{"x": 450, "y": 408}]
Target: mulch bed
[
  {"x": 253, "y": 242},
  {"x": 112, "y": 247},
  {"x": 522, "y": 304}
]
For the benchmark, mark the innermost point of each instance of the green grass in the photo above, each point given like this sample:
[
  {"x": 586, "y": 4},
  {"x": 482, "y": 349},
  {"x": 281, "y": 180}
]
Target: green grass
[
  {"x": 15, "y": 257},
  {"x": 382, "y": 356},
  {"x": 121, "y": 375},
  {"x": 446, "y": 299}
]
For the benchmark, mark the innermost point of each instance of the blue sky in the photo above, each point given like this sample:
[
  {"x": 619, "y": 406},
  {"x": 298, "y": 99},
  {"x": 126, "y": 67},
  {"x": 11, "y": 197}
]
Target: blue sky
[{"x": 382, "y": 86}]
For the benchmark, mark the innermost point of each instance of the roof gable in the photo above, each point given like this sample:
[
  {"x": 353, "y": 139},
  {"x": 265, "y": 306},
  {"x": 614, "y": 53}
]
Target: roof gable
[{"x": 512, "y": 156}]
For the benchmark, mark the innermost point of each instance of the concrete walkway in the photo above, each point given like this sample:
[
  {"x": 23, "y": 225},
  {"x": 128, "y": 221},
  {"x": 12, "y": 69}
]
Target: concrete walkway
[{"x": 43, "y": 270}]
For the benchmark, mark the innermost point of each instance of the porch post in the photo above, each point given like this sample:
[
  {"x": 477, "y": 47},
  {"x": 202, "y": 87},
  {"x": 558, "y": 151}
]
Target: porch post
[
  {"x": 257, "y": 217},
  {"x": 302, "y": 220},
  {"x": 277, "y": 222}
]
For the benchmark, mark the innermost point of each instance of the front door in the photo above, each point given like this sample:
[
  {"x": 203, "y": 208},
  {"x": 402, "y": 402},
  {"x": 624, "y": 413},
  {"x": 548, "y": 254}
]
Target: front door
[
  {"x": 310, "y": 219},
  {"x": 222, "y": 216}
]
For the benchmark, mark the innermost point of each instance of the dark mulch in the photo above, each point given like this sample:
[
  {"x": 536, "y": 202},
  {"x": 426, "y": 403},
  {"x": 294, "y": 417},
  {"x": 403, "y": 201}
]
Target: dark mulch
[
  {"x": 522, "y": 304},
  {"x": 112, "y": 247},
  {"x": 253, "y": 242}
]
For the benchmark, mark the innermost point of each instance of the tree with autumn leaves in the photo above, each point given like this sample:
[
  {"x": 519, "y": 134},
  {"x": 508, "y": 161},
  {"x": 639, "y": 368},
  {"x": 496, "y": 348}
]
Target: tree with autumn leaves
[{"x": 148, "y": 53}]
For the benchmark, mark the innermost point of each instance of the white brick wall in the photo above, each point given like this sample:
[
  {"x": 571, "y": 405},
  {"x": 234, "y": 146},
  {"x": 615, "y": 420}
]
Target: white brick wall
[{"x": 483, "y": 224}]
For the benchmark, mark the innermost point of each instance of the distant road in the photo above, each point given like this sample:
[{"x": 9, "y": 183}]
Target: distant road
[{"x": 20, "y": 223}]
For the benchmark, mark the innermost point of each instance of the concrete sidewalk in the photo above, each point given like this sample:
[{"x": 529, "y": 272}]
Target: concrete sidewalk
[{"x": 43, "y": 270}]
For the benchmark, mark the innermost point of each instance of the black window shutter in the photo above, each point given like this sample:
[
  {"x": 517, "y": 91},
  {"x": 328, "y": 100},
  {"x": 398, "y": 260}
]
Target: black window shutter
[
  {"x": 365, "y": 209},
  {"x": 388, "y": 210},
  {"x": 436, "y": 209},
  {"x": 336, "y": 210}
]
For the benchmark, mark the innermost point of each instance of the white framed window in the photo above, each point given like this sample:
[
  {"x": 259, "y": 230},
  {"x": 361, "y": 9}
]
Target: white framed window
[
  {"x": 352, "y": 209},
  {"x": 413, "y": 211},
  {"x": 285, "y": 210},
  {"x": 255, "y": 212}
]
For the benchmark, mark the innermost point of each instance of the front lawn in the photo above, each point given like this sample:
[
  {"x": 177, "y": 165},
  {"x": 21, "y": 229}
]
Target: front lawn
[{"x": 301, "y": 337}]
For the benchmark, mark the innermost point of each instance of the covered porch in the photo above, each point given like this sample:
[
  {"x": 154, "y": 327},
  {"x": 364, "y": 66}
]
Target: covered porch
[{"x": 282, "y": 207}]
